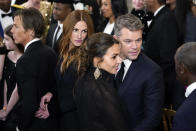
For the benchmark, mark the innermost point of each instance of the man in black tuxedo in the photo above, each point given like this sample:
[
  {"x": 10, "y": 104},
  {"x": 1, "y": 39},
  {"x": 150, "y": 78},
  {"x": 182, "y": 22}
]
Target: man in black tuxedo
[
  {"x": 61, "y": 9},
  {"x": 141, "y": 86},
  {"x": 34, "y": 70},
  {"x": 161, "y": 44},
  {"x": 185, "y": 60}
]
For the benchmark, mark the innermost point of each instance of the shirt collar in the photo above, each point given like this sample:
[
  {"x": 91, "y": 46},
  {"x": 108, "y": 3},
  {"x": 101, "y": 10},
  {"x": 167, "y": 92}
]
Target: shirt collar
[
  {"x": 3, "y": 12},
  {"x": 30, "y": 42},
  {"x": 127, "y": 63},
  {"x": 59, "y": 24},
  {"x": 157, "y": 11},
  {"x": 190, "y": 89}
]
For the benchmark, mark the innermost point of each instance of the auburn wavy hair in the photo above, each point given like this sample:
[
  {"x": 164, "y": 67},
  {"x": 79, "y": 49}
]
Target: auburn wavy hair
[{"x": 74, "y": 55}]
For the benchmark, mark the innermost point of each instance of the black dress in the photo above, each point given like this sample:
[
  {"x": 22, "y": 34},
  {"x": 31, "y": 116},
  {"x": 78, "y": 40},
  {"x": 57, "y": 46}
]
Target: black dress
[
  {"x": 9, "y": 75},
  {"x": 68, "y": 120},
  {"x": 98, "y": 104}
]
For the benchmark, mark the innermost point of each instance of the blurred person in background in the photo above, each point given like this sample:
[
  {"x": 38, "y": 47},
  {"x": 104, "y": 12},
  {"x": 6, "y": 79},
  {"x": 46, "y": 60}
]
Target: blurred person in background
[
  {"x": 110, "y": 10},
  {"x": 61, "y": 8}
]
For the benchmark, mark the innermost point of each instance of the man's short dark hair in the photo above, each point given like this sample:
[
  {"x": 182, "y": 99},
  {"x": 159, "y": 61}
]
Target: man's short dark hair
[{"x": 32, "y": 19}]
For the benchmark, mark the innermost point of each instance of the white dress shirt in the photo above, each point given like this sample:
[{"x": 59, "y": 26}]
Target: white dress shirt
[
  {"x": 109, "y": 28},
  {"x": 30, "y": 42},
  {"x": 190, "y": 89},
  {"x": 155, "y": 13},
  {"x": 127, "y": 63},
  {"x": 7, "y": 20}
]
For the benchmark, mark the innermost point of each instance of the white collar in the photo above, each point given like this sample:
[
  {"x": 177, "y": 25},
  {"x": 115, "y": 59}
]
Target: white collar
[
  {"x": 190, "y": 89},
  {"x": 157, "y": 11},
  {"x": 59, "y": 24},
  {"x": 127, "y": 63},
  {"x": 30, "y": 42},
  {"x": 3, "y": 12}
]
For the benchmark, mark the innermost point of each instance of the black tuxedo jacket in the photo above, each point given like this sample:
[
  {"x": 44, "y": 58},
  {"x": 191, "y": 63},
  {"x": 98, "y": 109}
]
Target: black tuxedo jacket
[
  {"x": 49, "y": 38},
  {"x": 161, "y": 45},
  {"x": 34, "y": 74},
  {"x": 142, "y": 93},
  {"x": 185, "y": 118}
]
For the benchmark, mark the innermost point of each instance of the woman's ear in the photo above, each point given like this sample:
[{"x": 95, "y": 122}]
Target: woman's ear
[{"x": 96, "y": 61}]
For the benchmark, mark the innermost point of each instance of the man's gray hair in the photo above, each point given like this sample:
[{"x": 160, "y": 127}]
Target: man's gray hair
[
  {"x": 186, "y": 54},
  {"x": 129, "y": 21}
]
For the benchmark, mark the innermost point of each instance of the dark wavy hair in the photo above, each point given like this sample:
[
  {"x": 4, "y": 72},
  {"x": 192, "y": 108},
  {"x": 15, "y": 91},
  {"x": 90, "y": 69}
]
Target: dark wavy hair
[
  {"x": 119, "y": 7},
  {"x": 97, "y": 46}
]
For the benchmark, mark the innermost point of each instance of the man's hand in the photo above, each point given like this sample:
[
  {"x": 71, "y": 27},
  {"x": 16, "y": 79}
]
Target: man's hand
[
  {"x": 42, "y": 114},
  {"x": 45, "y": 100}
]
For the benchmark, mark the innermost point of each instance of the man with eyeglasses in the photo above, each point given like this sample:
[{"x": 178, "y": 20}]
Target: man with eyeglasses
[{"x": 141, "y": 85}]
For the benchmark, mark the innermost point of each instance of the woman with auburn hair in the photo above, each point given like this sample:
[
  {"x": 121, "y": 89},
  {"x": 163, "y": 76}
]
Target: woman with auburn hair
[{"x": 77, "y": 27}]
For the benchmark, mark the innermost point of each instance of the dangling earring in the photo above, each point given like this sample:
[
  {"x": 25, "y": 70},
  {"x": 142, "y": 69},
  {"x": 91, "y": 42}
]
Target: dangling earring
[{"x": 97, "y": 73}]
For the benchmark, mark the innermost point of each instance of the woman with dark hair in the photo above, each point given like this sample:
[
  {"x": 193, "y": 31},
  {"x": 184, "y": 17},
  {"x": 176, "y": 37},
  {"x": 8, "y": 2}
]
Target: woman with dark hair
[
  {"x": 98, "y": 104},
  {"x": 110, "y": 10},
  {"x": 77, "y": 27},
  {"x": 186, "y": 19},
  {"x": 9, "y": 80}
]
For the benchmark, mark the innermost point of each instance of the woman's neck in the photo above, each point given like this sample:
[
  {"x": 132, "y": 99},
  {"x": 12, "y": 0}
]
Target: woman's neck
[
  {"x": 112, "y": 19},
  {"x": 14, "y": 55}
]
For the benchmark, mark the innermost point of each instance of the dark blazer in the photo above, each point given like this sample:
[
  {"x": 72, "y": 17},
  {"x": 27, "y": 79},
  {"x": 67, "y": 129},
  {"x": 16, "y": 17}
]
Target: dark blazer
[
  {"x": 142, "y": 92},
  {"x": 34, "y": 74},
  {"x": 185, "y": 118},
  {"x": 1, "y": 31},
  {"x": 50, "y": 35},
  {"x": 161, "y": 45}
]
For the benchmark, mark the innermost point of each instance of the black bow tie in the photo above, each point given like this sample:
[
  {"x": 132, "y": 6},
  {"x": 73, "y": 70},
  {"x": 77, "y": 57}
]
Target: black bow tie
[{"x": 9, "y": 14}]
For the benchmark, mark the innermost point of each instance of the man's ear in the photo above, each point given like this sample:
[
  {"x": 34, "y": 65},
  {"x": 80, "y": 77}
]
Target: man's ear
[
  {"x": 183, "y": 68},
  {"x": 115, "y": 37}
]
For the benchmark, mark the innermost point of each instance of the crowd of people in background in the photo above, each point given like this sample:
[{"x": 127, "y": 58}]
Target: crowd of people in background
[{"x": 96, "y": 65}]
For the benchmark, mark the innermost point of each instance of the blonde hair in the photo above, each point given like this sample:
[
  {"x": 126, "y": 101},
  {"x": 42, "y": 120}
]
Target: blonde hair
[{"x": 74, "y": 55}]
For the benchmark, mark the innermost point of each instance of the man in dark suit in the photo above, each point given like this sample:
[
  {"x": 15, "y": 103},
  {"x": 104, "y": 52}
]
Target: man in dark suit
[
  {"x": 34, "y": 70},
  {"x": 161, "y": 44},
  {"x": 61, "y": 9},
  {"x": 185, "y": 60},
  {"x": 141, "y": 87}
]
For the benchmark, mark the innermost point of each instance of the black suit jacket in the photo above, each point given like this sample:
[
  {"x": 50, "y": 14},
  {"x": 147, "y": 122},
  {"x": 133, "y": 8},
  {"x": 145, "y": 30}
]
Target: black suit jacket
[
  {"x": 142, "y": 93},
  {"x": 49, "y": 38},
  {"x": 34, "y": 74},
  {"x": 185, "y": 118},
  {"x": 161, "y": 45}
]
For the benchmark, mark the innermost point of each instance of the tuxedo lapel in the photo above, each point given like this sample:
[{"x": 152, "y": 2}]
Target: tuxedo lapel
[
  {"x": 156, "y": 17},
  {"x": 130, "y": 76}
]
